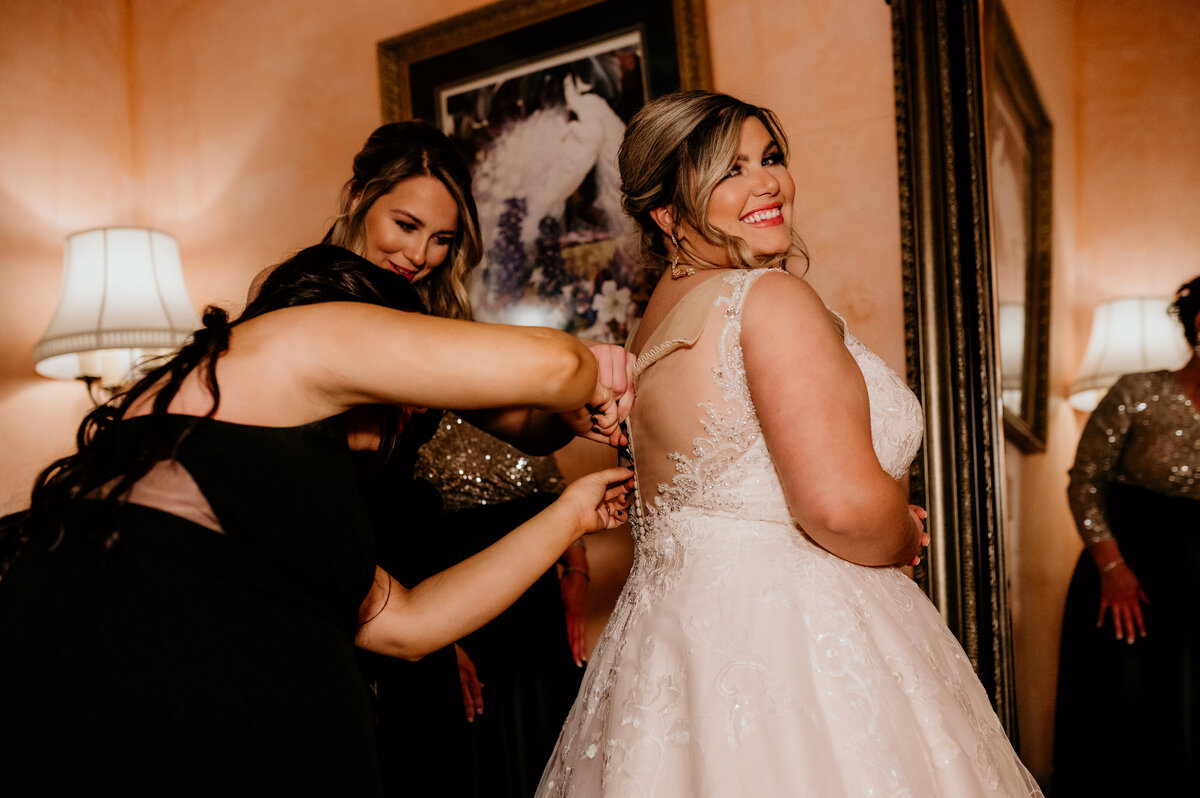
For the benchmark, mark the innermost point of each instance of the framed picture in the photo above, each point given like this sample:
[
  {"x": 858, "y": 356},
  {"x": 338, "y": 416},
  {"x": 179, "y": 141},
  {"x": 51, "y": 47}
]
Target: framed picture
[
  {"x": 537, "y": 96},
  {"x": 1019, "y": 175}
]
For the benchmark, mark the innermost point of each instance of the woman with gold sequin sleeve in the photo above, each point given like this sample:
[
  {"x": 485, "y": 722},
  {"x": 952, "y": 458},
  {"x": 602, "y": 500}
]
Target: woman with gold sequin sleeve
[
  {"x": 520, "y": 672},
  {"x": 1129, "y": 669}
]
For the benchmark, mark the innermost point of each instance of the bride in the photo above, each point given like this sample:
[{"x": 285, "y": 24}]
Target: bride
[{"x": 766, "y": 643}]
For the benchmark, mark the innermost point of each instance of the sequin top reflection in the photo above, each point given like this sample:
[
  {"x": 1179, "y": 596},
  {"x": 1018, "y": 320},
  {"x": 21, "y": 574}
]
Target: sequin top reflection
[{"x": 1146, "y": 433}]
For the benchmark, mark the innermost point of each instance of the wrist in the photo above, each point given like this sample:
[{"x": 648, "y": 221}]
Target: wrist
[{"x": 1111, "y": 566}]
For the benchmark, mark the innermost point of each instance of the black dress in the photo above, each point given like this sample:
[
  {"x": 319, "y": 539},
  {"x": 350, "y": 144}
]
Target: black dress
[
  {"x": 420, "y": 730},
  {"x": 188, "y": 661},
  {"x": 1126, "y": 715},
  {"x": 522, "y": 657}
]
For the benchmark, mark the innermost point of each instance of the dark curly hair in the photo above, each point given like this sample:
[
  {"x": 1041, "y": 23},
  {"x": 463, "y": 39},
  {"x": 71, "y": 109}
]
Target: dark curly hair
[
  {"x": 99, "y": 473},
  {"x": 1186, "y": 306}
]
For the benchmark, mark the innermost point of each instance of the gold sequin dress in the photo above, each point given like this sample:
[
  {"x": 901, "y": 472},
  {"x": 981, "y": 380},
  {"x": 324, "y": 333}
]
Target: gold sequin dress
[
  {"x": 523, "y": 657},
  {"x": 1134, "y": 479}
]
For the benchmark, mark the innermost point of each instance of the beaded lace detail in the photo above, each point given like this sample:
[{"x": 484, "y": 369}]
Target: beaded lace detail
[{"x": 709, "y": 478}]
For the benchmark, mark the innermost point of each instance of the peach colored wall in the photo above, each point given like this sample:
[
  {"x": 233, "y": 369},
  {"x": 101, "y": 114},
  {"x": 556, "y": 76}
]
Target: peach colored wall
[
  {"x": 826, "y": 69},
  {"x": 66, "y": 153},
  {"x": 1139, "y": 103}
]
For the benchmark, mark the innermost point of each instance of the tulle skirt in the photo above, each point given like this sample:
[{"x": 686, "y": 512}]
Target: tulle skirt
[{"x": 742, "y": 660}]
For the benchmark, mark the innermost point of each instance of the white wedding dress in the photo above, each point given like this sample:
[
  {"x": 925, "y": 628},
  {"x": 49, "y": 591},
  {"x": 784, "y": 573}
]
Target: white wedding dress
[{"x": 741, "y": 659}]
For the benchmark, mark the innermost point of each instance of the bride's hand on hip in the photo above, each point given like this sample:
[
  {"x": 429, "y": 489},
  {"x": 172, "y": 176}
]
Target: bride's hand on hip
[{"x": 920, "y": 536}]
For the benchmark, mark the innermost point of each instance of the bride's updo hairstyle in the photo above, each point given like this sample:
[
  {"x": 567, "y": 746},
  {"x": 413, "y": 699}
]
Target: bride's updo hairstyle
[{"x": 676, "y": 150}]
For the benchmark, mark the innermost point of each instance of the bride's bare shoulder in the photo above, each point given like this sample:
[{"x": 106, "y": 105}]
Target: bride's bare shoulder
[
  {"x": 781, "y": 307},
  {"x": 779, "y": 290}
]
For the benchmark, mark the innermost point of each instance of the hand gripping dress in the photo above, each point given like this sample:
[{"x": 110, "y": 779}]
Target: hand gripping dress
[{"x": 741, "y": 659}]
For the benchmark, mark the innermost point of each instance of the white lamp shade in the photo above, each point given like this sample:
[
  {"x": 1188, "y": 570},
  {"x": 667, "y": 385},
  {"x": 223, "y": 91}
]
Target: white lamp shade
[
  {"x": 1011, "y": 321},
  {"x": 1129, "y": 334},
  {"x": 123, "y": 297}
]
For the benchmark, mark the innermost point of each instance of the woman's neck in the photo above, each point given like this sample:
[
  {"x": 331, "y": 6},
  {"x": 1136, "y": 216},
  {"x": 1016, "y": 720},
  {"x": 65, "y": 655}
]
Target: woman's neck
[{"x": 1189, "y": 379}]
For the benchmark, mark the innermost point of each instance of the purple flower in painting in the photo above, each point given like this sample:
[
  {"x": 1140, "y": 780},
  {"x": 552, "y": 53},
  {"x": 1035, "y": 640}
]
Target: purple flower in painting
[
  {"x": 507, "y": 261},
  {"x": 548, "y": 263}
]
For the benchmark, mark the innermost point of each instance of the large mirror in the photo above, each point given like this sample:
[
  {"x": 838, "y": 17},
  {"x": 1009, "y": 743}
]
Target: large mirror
[
  {"x": 951, "y": 340},
  {"x": 1019, "y": 179}
]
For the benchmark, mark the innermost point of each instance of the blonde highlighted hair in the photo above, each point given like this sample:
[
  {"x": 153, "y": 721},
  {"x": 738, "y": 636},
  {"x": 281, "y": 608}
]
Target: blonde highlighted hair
[
  {"x": 392, "y": 154},
  {"x": 676, "y": 149}
]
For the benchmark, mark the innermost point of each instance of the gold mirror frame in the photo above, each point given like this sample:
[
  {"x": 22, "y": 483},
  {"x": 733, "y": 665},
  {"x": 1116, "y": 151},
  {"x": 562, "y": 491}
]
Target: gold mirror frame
[{"x": 950, "y": 337}]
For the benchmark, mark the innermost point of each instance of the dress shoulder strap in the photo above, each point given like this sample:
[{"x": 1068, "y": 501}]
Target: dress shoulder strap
[{"x": 685, "y": 322}]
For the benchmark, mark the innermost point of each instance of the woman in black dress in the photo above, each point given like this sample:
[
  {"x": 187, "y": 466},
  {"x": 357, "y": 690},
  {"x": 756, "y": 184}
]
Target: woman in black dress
[
  {"x": 519, "y": 673},
  {"x": 180, "y": 603},
  {"x": 1129, "y": 672}
]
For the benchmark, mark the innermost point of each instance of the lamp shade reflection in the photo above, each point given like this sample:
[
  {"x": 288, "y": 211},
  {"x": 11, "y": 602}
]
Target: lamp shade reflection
[
  {"x": 1011, "y": 321},
  {"x": 1129, "y": 334},
  {"x": 123, "y": 299}
]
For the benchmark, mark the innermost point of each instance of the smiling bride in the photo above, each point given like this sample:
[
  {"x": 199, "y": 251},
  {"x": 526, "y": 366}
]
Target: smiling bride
[{"x": 767, "y": 642}]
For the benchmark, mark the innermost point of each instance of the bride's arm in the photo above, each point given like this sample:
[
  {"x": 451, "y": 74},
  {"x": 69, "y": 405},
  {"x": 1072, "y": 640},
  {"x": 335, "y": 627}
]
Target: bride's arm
[{"x": 813, "y": 408}]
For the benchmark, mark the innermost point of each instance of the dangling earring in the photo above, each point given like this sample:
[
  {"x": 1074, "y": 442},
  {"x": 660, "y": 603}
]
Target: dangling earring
[{"x": 678, "y": 271}]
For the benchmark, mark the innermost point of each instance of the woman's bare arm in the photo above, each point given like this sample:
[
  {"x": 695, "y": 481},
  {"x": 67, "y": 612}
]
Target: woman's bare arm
[
  {"x": 303, "y": 363},
  {"x": 813, "y": 408},
  {"x": 443, "y": 608}
]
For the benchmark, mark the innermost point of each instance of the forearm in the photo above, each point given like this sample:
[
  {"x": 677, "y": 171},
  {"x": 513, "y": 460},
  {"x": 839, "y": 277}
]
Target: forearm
[
  {"x": 417, "y": 360},
  {"x": 1095, "y": 466},
  {"x": 536, "y": 432},
  {"x": 445, "y": 607},
  {"x": 872, "y": 526}
]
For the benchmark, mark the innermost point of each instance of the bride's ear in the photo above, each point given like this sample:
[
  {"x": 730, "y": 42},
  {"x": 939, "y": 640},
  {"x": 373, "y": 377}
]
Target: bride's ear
[{"x": 665, "y": 219}]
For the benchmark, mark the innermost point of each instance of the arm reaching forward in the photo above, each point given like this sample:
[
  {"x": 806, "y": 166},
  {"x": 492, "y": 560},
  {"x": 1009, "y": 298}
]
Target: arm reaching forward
[{"x": 443, "y": 608}]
